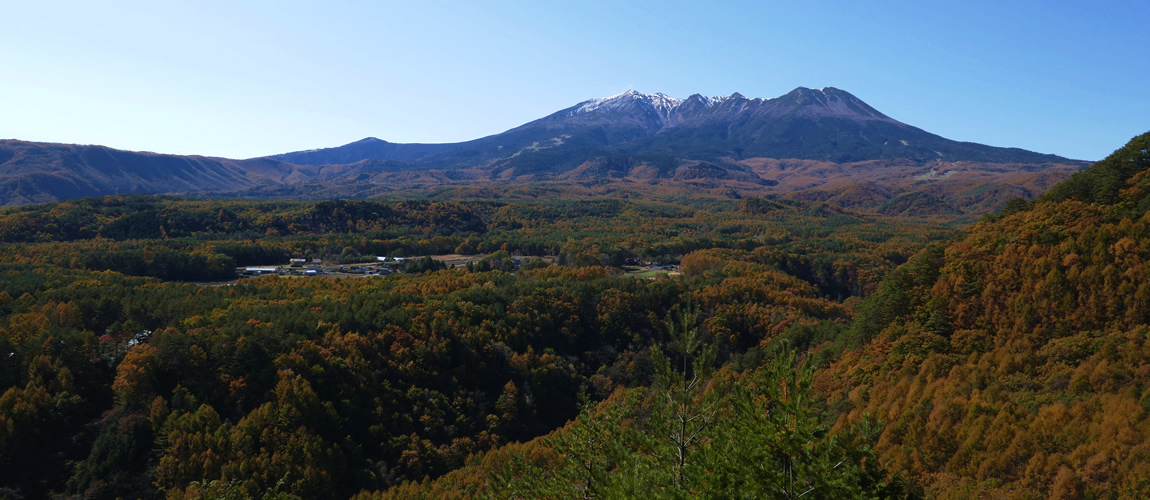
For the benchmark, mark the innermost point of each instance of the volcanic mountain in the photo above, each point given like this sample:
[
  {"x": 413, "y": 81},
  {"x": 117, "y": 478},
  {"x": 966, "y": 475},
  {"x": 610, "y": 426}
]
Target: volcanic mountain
[
  {"x": 822, "y": 145},
  {"x": 826, "y": 125}
]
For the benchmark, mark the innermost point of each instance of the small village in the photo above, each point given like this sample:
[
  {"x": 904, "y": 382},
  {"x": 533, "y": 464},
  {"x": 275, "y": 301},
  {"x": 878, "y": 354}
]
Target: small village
[{"x": 386, "y": 266}]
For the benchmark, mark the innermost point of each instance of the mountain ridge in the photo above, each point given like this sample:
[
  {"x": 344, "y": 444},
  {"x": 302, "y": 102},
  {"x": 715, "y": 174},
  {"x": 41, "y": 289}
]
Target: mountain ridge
[{"x": 363, "y": 149}]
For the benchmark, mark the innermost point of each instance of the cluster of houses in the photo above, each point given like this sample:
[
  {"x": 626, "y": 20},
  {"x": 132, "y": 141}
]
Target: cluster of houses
[
  {"x": 651, "y": 266},
  {"x": 383, "y": 266}
]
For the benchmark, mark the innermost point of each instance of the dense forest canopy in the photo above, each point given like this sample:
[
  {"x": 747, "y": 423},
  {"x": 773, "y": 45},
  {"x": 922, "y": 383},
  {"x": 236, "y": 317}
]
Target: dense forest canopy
[
  {"x": 1015, "y": 363},
  {"x": 800, "y": 349}
]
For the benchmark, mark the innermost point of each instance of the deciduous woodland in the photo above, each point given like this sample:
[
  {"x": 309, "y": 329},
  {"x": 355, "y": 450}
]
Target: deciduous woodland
[{"x": 801, "y": 350}]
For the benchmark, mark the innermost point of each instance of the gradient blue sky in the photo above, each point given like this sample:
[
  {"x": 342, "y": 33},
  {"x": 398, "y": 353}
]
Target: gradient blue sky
[{"x": 249, "y": 78}]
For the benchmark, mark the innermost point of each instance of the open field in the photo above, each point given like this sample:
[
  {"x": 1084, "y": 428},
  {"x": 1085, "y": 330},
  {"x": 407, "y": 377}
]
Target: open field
[
  {"x": 639, "y": 272},
  {"x": 455, "y": 259}
]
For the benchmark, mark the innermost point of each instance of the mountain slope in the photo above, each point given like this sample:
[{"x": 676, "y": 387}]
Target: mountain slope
[
  {"x": 1105, "y": 181},
  {"x": 829, "y": 125}
]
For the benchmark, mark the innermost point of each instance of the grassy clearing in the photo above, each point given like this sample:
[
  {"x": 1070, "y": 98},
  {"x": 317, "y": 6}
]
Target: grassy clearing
[{"x": 638, "y": 272}]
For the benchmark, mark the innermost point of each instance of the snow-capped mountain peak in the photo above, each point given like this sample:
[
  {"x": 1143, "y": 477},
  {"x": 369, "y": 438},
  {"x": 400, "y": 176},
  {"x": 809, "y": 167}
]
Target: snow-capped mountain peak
[
  {"x": 665, "y": 110},
  {"x": 660, "y": 102}
]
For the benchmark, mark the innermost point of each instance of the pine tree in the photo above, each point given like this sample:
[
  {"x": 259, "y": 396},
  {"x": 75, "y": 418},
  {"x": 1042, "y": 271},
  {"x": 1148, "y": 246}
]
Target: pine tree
[{"x": 684, "y": 409}]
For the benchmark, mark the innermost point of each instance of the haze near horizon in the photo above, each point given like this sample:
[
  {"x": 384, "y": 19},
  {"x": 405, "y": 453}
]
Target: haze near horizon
[{"x": 251, "y": 79}]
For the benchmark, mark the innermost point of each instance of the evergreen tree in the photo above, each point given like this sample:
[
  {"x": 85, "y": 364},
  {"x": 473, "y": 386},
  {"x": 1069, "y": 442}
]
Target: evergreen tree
[
  {"x": 773, "y": 442},
  {"x": 684, "y": 408}
]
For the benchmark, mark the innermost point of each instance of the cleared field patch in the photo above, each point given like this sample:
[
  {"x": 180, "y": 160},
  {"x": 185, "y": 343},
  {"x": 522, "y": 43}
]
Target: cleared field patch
[{"x": 639, "y": 272}]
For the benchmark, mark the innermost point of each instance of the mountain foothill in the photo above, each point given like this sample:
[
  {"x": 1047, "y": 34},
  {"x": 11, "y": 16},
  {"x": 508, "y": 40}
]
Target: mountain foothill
[{"x": 810, "y": 144}]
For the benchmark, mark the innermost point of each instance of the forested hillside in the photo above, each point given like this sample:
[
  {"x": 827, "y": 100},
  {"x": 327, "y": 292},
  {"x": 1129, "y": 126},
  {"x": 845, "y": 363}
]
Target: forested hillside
[{"x": 1016, "y": 362}]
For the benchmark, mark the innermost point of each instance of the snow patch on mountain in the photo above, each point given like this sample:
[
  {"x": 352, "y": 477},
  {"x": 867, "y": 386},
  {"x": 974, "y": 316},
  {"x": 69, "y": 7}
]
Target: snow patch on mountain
[
  {"x": 661, "y": 103},
  {"x": 825, "y": 102},
  {"x": 711, "y": 102}
]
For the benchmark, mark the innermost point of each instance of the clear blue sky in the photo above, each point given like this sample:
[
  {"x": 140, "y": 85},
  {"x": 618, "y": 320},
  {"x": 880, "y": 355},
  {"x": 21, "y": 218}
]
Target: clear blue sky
[{"x": 245, "y": 78}]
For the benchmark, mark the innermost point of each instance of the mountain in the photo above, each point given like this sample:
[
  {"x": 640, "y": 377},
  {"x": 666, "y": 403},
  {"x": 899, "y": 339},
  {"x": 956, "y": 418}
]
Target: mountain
[
  {"x": 819, "y": 143},
  {"x": 826, "y": 125}
]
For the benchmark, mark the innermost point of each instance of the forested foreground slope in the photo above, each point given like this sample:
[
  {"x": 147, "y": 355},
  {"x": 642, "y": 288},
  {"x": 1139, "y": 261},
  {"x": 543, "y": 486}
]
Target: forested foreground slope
[{"x": 1016, "y": 363}]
